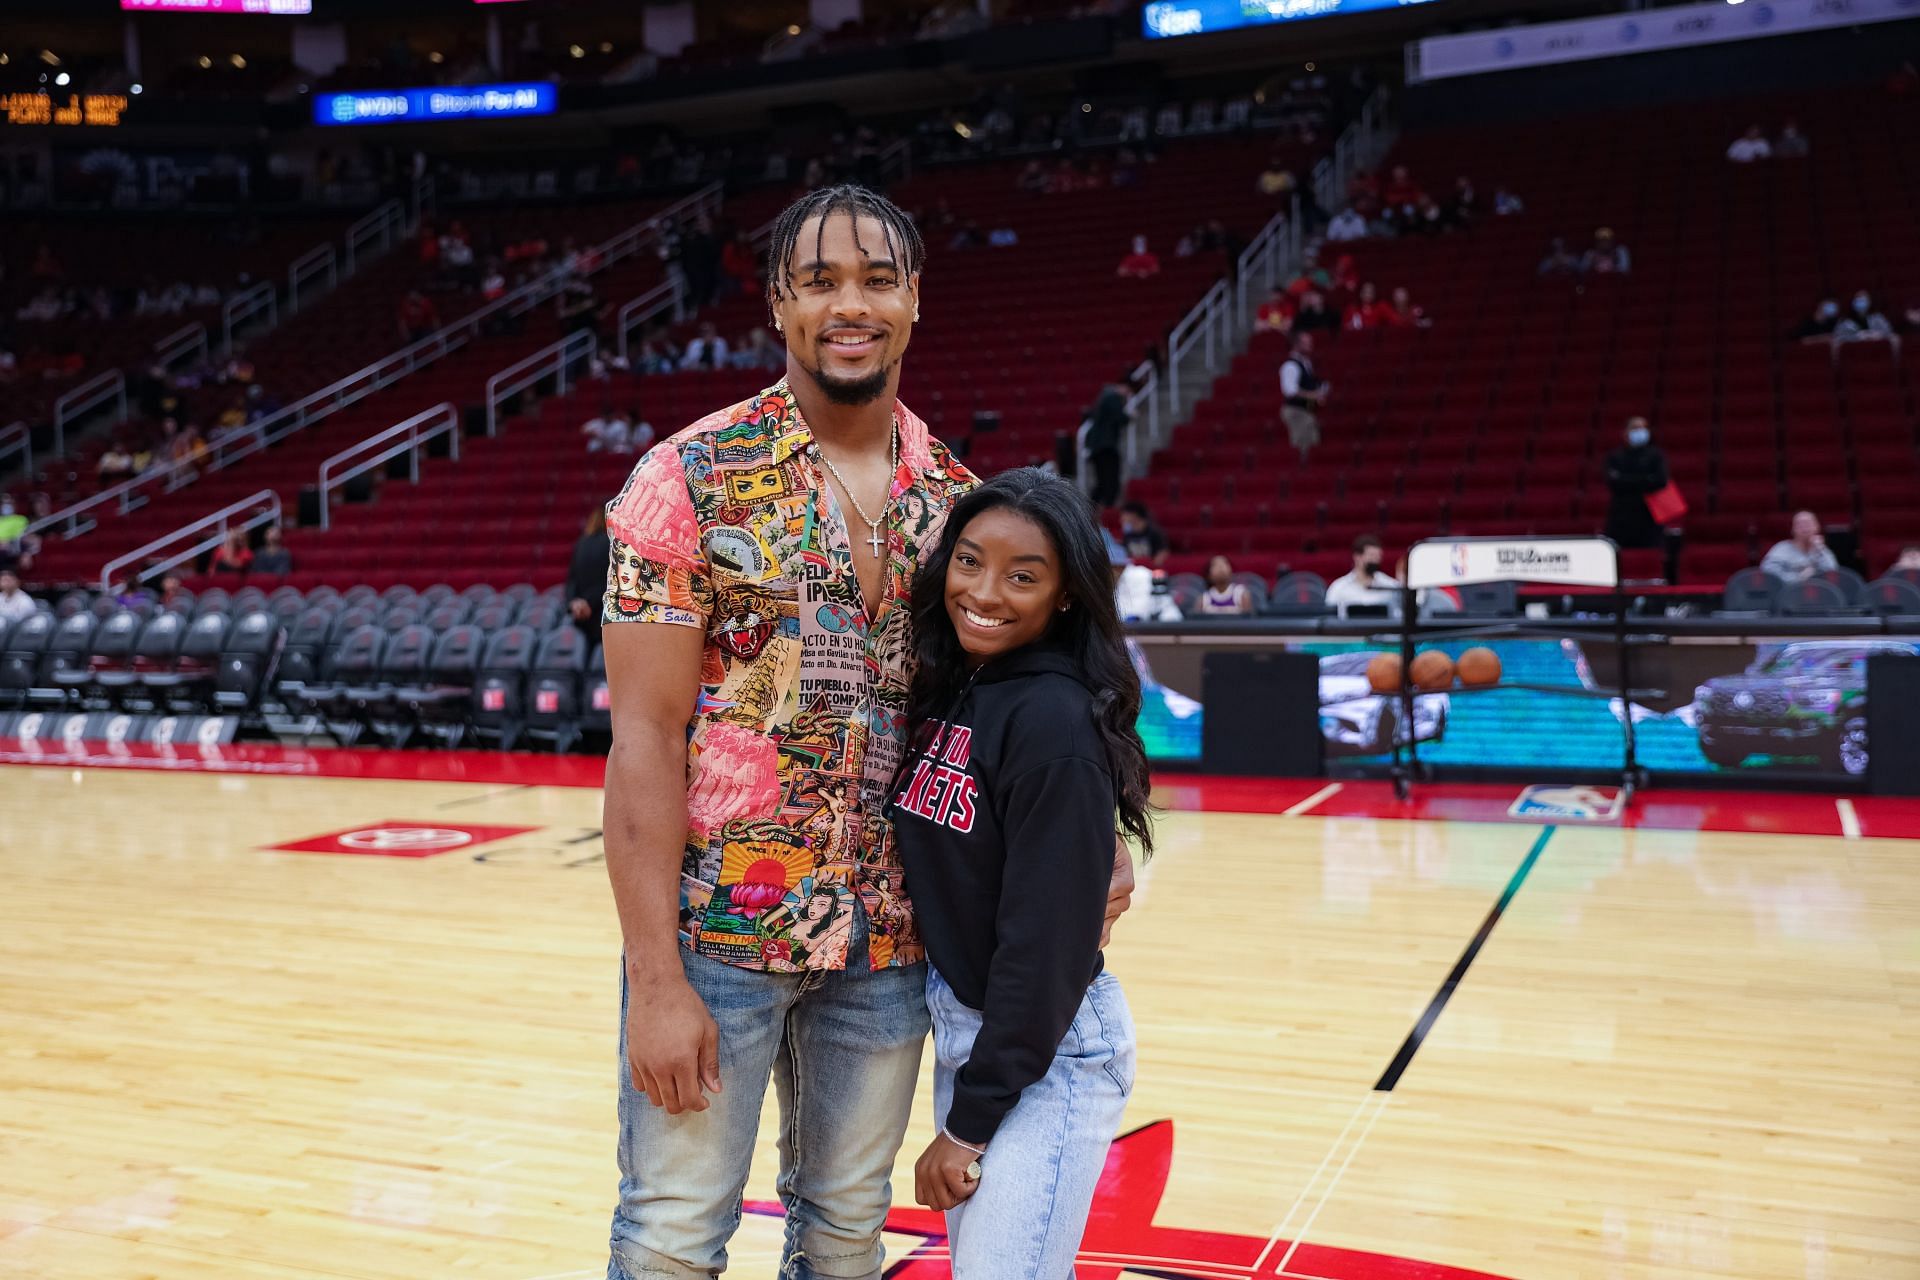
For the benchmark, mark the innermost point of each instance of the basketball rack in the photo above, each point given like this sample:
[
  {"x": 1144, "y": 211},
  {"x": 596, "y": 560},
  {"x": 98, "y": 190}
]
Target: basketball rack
[{"x": 1457, "y": 562}]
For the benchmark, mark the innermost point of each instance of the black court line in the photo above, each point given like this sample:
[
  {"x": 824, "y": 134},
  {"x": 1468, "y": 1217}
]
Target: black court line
[
  {"x": 488, "y": 795},
  {"x": 1401, "y": 1060}
]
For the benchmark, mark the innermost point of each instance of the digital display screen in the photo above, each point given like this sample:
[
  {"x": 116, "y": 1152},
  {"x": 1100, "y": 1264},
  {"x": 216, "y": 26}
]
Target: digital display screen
[
  {"x": 1796, "y": 706},
  {"x": 293, "y": 7},
  {"x": 100, "y": 110},
  {"x": 461, "y": 102},
  {"x": 1197, "y": 17}
]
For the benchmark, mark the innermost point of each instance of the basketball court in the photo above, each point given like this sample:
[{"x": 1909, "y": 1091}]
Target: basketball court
[{"x": 261, "y": 1022}]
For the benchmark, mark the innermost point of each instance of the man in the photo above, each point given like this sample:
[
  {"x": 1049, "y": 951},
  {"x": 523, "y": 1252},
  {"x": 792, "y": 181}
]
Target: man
[
  {"x": 1303, "y": 394},
  {"x": 1144, "y": 540},
  {"x": 1803, "y": 555},
  {"x": 707, "y": 351},
  {"x": 1634, "y": 470},
  {"x": 15, "y": 604},
  {"x": 607, "y": 431},
  {"x": 756, "y": 639},
  {"x": 1750, "y": 147},
  {"x": 1607, "y": 256},
  {"x": 1366, "y": 584},
  {"x": 1348, "y": 224}
]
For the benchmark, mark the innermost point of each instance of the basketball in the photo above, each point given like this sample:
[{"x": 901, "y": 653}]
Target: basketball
[
  {"x": 1479, "y": 667},
  {"x": 1383, "y": 673},
  {"x": 1432, "y": 671}
]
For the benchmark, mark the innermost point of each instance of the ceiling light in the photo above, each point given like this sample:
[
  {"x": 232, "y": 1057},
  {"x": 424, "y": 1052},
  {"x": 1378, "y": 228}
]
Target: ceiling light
[
  {"x": 63, "y": 79},
  {"x": 606, "y": 46},
  {"x": 1311, "y": 67},
  {"x": 436, "y": 57},
  {"x": 204, "y": 61},
  {"x": 4, "y": 59},
  {"x": 576, "y": 51},
  {"x": 49, "y": 57},
  {"x": 793, "y": 29},
  {"x": 239, "y": 63},
  {"x": 136, "y": 88}
]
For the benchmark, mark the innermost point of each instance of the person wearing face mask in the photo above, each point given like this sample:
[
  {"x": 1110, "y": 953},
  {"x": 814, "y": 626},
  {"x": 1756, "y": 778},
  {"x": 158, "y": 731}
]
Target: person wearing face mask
[
  {"x": 1863, "y": 320},
  {"x": 1367, "y": 584},
  {"x": 1634, "y": 470},
  {"x": 1819, "y": 326}
]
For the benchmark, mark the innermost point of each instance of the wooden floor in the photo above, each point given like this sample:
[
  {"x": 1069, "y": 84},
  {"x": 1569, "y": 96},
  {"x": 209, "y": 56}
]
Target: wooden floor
[{"x": 1676, "y": 1054}]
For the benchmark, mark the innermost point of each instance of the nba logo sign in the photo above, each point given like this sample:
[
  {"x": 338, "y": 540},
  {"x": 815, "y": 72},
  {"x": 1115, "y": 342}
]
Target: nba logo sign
[{"x": 1457, "y": 559}]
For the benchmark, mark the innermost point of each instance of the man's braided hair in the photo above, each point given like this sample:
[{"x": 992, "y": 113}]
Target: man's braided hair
[{"x": 904, "y": 245}]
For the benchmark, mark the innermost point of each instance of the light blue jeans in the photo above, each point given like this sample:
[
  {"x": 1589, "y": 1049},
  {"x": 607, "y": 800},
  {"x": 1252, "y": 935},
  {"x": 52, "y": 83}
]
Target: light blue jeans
[
  {"x": 1037, "y": 1180},
  {"x": 843, "y": 1051}
]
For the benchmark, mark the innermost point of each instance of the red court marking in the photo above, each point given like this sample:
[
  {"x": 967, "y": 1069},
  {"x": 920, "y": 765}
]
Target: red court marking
[
  {"x": 1658, "y": 809},
  {"x": 392, "y": 839}
]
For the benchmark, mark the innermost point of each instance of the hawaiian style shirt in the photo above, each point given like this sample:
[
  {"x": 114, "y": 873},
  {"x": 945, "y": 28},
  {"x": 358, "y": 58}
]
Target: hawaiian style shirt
[{"x": 801, "y": 719}]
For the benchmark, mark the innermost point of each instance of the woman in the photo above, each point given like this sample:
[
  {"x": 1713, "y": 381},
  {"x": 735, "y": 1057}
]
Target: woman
[
  {"x": 234, "y": 555},
  {"x": 1223, "y": 594},
  {"x": 1022, "y": 715}
]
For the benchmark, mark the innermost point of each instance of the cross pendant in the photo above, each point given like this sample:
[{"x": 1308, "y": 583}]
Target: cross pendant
[{"x": 874, "y": 539}]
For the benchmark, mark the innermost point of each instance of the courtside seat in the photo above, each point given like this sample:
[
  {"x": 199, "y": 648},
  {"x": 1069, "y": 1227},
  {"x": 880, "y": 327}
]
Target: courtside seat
[
  {"x": 499, "y": 690},
  {"x": 247, "y": 662},
  {"x": 23, "y": 656},
  {"x": 553, "y": 688}
]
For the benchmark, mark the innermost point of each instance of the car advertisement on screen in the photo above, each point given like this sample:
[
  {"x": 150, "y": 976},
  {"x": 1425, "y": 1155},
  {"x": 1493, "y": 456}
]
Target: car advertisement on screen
[{"x": 1794, "y": 706}]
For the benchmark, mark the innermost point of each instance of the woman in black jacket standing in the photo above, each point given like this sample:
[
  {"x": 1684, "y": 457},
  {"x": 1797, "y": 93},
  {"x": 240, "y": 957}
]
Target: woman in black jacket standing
[{"x": 1024, "y": 760}]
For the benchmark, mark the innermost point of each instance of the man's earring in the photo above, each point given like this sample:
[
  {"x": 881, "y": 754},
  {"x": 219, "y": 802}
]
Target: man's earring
[{"x": 916, "y": 313}]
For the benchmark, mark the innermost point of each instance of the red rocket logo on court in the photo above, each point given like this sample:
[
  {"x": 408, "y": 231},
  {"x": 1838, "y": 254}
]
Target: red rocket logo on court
[{"x": 1123, "y": 1239}]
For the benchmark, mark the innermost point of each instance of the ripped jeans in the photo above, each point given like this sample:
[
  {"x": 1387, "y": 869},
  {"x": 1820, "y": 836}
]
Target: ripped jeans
[{"x": 843, "y": 1050}]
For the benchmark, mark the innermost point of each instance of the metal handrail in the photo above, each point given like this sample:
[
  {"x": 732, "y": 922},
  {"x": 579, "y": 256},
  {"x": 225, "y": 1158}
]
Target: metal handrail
[
  {"x": 322, "y": 259},
  {"x": 668, "y": 295},
  {"x": 555, "y": 358},
  {"x": 1197, "y": 326},
  {"x": 385, "y": 224},
  {"x": 357, "y": 385},
  {"x": 1260, "y": 260},
  {"x": 446, "y": 422},
  {"x": 188, "y": 340},
  {"x": 1147, "y": 396},
  {"x": 902, "y": 151},
  {"x": 264, "y": 504},
  {"x": 17, "y": 437},
  {"x": 84, "y": 399},
  {"x": 422, "y": 199},
  {"x": 243, "y": 306}
]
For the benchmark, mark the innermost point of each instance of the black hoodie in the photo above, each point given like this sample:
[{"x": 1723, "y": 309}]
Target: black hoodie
[{"x": 1005, "y": 822}]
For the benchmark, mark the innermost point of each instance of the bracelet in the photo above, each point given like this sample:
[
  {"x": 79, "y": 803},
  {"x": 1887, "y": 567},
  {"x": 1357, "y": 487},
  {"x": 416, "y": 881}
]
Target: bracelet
[{"x": 948, "y": 1135}]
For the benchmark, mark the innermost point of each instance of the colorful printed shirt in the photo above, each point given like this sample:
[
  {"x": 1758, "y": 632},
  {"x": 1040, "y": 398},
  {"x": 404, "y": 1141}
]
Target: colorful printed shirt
[{"x": 801, "y": 720}]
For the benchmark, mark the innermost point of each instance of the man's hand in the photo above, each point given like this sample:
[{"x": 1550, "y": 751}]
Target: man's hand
[
  {"x": 1120, "y": 892},
  {"x": 579, "y": 609},
  {"x": 940, "y": 1175},
  {"x": 673, "y": 1044}
]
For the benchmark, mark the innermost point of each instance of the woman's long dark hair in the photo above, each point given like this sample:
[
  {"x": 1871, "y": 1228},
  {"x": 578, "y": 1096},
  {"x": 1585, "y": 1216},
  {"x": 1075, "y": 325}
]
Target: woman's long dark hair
[{"x": 1090, "y": 631}]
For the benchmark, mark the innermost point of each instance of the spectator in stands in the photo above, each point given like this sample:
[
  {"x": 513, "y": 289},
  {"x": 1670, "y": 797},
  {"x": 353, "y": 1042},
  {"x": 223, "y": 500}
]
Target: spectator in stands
[
  {"x": 700, "y": 257},
  {"x": 1303, "y": 394},
  {"x": 656, "y": 355},
  {"x": 1144, "y": 540},
  {"x": 1462, "y": 204},
  {"x": 1819, "y": 326},
  {"x": 1559, "y": 261},
  {"x": 1792, "y": 144},
  {"x": 607, "y": 431},
  {"x": 1401, "y": 189},
  {"x": 578, "y": 307},
  {"x": 1002, "y": 237},
  {"x": 234, "y": 555},
  {"x": 1107, "y": 423},
  {"x": 1803, "y": 555},
  {"x": 115, "y": 465},
  {"x": 641, "y": 437},
  {"x": 1402, "y": 314},
  {"x": 587, "y": 576},
  {"x": 418, "y": 316},
  {"x": 15, "y": 604},
  {"x": 1347, "y": 225},
  {"x": 1908, "y": 561},
  {"x": 1141, "y": 264},
  {"x": 1223, "y": 595},
  {"x": 1275, "y": 315},
  {"x": 1506, "y": 204},
  {"x": 273, "y": 557},
  {"x": 1364, "y": 313},
  {"x": 1606, "y": 256},
  {"x": 1863, "y": 320},
  {"x": 1365, "y": 584},
  {"x": 708, "y": 350},
  {"x": 759, "y": 351},
  {"x": 1634, "y": 470},
  {"x": 1314, "y": 314},
  {"x": 1750, "y": 146}
]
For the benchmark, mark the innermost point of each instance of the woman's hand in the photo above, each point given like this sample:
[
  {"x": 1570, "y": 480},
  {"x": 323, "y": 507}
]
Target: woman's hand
[{"x": 940, "y": 1175}]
